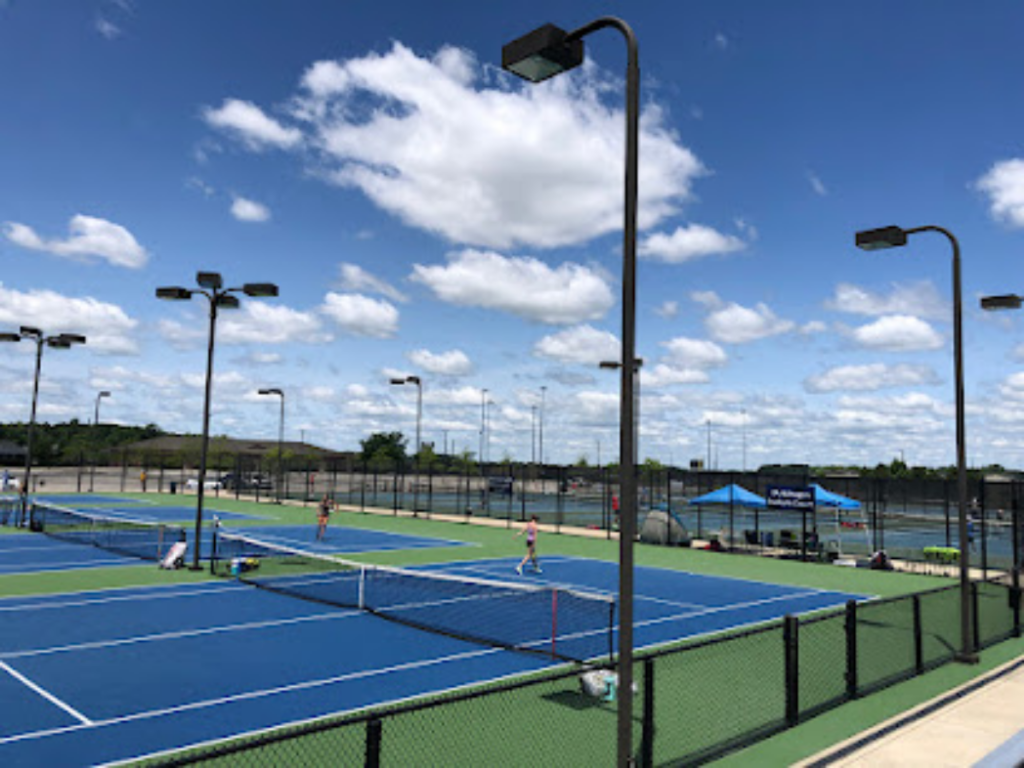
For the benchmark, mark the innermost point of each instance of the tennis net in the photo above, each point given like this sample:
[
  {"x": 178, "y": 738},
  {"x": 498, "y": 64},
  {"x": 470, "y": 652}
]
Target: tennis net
[
  {"x": 125, "y": 536},
  {"x": 552, "y": 621}
]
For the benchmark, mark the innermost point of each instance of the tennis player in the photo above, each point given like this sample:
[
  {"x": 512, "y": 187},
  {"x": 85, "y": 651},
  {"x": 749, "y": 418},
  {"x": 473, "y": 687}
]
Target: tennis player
[
  {"x": 531, "y": 546},
  {"x": 323, "y": 514}
]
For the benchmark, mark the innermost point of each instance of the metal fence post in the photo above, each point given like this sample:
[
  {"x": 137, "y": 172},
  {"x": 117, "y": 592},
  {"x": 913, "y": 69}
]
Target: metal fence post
[
  {"x": 373, "y": 737},
  {"x": 647, "y": 738},
  {"x": 976, "y": 628},
  {"x": 791, "y": 643},
  {"x": 918, "y": 637},
  {"x": 851, "y": 649}
]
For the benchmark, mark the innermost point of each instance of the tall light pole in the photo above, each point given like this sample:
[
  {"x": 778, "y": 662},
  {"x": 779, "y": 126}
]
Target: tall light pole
[
  {"x": 211, "y": 287},
  {"x": 895, "y": 237},
  {"x": 59, "y": 341},
  {"x": 709, "y": 445},
  {"x": 540, "y": 426},
  {"x": 533, "y": 435},
  {"x": 280, "y": 440},
  {"x": 743, "y": 414},
  {"x": 419, "y": 445},
  {"x": 543, "y": 53},
  {"x": 637, "y": 365},
  {"x": 483, "y": 426},
  {"x": 95, "y": 426}
]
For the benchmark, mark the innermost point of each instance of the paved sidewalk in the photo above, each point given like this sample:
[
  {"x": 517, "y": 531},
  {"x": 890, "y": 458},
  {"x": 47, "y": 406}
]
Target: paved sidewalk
[{"x": 981, "y": 723}]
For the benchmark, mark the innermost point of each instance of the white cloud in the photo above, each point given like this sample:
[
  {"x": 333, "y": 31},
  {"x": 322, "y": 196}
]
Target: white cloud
[
  {"x": 360, "y": 315},
  {"x": 898, "y": 333},
  {"x": 106, "y": 326},
  {"x": 88, "y": 236},
  {"x": 695, "y": 353},
  {"x": 667, "y": 309},
  {"x": 107, "y": 28},
  {"x": 870, "y": 377},
  {"x": 476, "y": 165},
  {"x": 451, "y": 363},
  {"x": 355, "y": 279},
  {"x": 583, "y": 345},
  {"x": 687, "y": 243},
  {"x": 244, "y": 209},
  {"x": 664, "y": 374},
  {"x": 522, "y": 286},
  {"x": 731, "y": 323},
  {"x": 816, "y": 184},
  {"x": 262, "y": 323},
  {"x": 251, "y": 125},
  {"x": 1004, "y": 185},
  {"x": 181, "y": 336},
  {"x": 920, "y": 298}
]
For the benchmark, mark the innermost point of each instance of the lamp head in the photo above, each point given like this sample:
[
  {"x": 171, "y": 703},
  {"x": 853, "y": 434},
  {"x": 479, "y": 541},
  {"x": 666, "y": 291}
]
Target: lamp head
[
  {"x": 227, "y": 302},
  {"x": 27, "y": 330},
  {"x": 543, "y": 53},
  {"x": 1008, "y": 301},
  {"x": 58, "y": 342},
  {"x": 211, "y": 280},
  {"x": 10, "y": 337},
  {"x": 260, "y": 290},
  {"x": 271, "y": 391},
  {"x": 73, "y": 338},
  {"x": 174, "y": 294},
  {"x": 104, "y": 393},
  {"x": 884, "y": 237}
]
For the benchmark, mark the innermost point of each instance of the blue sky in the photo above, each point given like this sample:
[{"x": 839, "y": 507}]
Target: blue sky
[{"x": 425, "y": 213}]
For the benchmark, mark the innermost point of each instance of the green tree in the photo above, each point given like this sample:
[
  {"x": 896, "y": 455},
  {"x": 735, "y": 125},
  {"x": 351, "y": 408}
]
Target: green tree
[{"x": 384, "y": 449}]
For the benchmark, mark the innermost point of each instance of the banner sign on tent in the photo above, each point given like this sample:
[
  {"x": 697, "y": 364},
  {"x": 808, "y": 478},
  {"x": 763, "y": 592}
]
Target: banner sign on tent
[{"x": 786, "y": 497}]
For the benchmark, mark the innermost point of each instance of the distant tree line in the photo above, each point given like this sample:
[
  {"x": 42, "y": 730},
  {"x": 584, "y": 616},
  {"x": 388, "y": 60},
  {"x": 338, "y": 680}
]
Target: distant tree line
[{"x": 67, "y": 444}]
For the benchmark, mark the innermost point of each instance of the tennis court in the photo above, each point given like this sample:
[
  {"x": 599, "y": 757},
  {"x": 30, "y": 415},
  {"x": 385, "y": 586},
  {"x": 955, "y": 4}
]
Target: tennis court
[{"x": 116, "y": 674}]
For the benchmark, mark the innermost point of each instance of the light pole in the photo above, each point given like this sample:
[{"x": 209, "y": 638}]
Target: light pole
[
  {"x": 419, "y": 419},
  {"x": 540, "y": 428},
  {"x": 543, "y": 53},
  {"x": 895, "y": 237},
  {"x": 743, "y": 414},
  {"x": 483, "y": 426},
  {"x": 59, "y": 341},
  {"x": 95, "y": 426},
  {"x": 533, "y": 435},
  {"x": 637, "y": 365},
  {"x": 280, "y": 440},
  {"x": 211, "y": 287},
  {"x": 709, "y": 445}
]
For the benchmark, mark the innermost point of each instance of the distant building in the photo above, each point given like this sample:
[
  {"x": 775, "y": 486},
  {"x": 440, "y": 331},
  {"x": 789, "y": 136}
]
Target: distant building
[
  {"x": 224, "y": 449},
  {"x": 12, "y": 454}
]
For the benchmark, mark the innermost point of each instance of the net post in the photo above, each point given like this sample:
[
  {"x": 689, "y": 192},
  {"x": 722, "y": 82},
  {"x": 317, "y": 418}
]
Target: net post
[
  {"x": 213, "y": 548},
  {"x": 918, "y": 636},
  {"x": 790, "y": 640},
  {"x": 362, "y": 588},
  {"x": 647, "y": 737},
  {"x": 374, "y": 730},
  {"x": 851, "y": 649}
]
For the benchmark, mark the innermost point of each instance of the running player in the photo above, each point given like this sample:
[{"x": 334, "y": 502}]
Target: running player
[
  {"x": 323, "y": 514},
  {"x": 531, "y": 546}
]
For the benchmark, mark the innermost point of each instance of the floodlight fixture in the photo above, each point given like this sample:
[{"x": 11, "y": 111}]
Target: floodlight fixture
[
  {"x": 174, "y": 293},
  {"x": 56, "y": 342},
  {"x": 27, "y": 330},
  {"x": 211, "y": 280},
  {"x": 545, "y": 52},
  {"x": 881, "y": 238},
  {"x": 224, "y": 301},
  {"x": 73, "y": 338},
  {"x": 260, "y": 290},
  {"x": 1007, "y": 301},
  {"x": 10, "y": 337}
]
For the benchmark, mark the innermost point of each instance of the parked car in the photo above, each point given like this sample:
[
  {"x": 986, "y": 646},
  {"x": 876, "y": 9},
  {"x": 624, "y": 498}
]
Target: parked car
[
  {"x": 246, "y": 482},
  {"x": 192, "y": 484}
]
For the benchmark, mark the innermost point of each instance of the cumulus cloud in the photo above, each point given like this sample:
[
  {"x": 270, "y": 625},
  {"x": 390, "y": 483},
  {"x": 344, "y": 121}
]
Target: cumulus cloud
[
  {"x": 425, "y": 140},
  {"x": 361, "y": 315},
  {"x": 667, "y": 374},
  {"x": 355, "y": 279},
  {"x": 88, "y": 237},
  {"x": 732, "y": 323},
  {"x": 259, "y": 322},
  {"x": 1004, "y": 185},
  {"x": 870, "y": 377},
  {"x": 251, "y": 125},
  {"x": 919, "y": 298},
  {"x": 583, "y": 345},
  {"x": 816, "y": 184},
  {"x": 667, "y": 309},
  {"x": 522, "y": 286},
  {"x": 451, "y": 363},
  {"x": 244, "y": 209},
  {"x": 898, "y": 333},
  {"x": 107, "y": 328},
  {"x": 688, "y": 243},
  {"x": 695, "y": 353}
]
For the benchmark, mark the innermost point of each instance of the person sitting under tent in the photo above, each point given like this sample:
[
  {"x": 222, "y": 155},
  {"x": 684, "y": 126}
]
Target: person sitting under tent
[{"x": 175, "y": 557}]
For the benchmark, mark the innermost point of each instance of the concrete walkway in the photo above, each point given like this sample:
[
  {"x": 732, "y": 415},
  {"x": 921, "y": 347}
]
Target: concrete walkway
[{"x": 981, "y": 723}]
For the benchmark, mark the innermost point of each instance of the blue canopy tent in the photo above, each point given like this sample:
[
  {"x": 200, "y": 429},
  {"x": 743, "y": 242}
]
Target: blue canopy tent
[
  {"x": 826, "y": 498},
  {"x": 731, "y": 494}
]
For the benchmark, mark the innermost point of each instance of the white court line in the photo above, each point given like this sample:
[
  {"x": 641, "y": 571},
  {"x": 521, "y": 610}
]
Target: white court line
[
  {"x": 46, "y": 694},
  {"x": 63, "y": 565},
  {"x": 249, "y": 695},
  {"x": 181, "y": 634},
  {"x": 54, "y": 604}
]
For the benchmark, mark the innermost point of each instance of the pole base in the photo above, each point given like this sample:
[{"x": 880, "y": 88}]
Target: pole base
[{"x": 966, "y": 658}]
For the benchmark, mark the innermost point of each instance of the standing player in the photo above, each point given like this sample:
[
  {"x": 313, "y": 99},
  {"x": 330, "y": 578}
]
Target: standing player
[
  {"x": 323, "y": 514},
  {"x": 531, "y": 546}
]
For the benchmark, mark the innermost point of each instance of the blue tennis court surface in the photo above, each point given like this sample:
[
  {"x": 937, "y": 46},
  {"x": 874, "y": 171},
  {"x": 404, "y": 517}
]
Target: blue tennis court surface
[
  {"x": 33, "y": 552},
  {"x": 88, "y": 499},
  {"x": 117, "y": 674}
]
